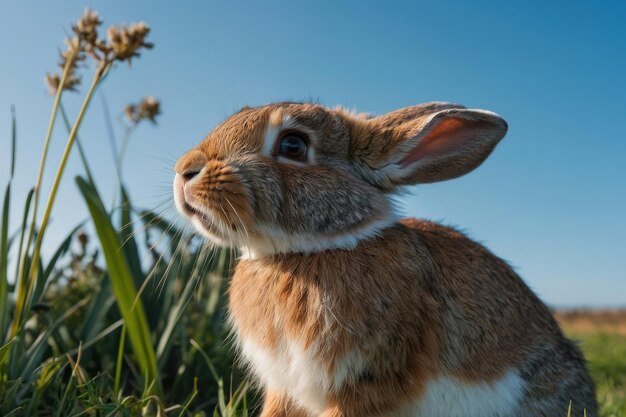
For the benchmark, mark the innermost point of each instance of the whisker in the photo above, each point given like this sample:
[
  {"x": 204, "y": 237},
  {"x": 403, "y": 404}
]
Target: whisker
[
  {"x": 145, "y": 226},
  {"x": 150, "y": 276},
  {"x": 140, "y": 217},
  {"x": 173, "y": 258},
  {"x": 240, "y": 221}
]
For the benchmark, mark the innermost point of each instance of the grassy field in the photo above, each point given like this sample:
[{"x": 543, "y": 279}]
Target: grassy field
[
  {"x": 128, "y": 319},
  {"x": 602, "y": 336}
]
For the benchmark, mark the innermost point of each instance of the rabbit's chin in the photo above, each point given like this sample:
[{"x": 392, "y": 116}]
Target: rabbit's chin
[
  {"x": 272, "y": 240},
  {"x": 209, "y": 230}
]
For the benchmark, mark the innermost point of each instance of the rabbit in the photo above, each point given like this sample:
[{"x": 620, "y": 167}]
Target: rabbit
[{"x": 339, "y": 308}]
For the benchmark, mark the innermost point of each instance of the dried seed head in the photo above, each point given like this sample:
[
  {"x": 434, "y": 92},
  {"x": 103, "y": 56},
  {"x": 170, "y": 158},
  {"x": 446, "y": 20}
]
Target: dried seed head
[
  {"x": 53, "y": 81},
  {"x": 71, "y": 56},
  {"x": 131, "y": 113},
  {"x": 74, "y": 54},
  {"x": 74, "y": 46},
  {"x": 86, "y": 29},
  {"x": 83, "y": 238},
  {"x": 148, "y": 109},
  {"x": 126, "y": 41}
]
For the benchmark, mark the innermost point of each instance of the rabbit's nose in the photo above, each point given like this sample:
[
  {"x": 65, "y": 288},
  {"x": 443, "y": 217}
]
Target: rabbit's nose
[
  {"x": 190, "y": 174},
  {"x": 190, "y": 165}
]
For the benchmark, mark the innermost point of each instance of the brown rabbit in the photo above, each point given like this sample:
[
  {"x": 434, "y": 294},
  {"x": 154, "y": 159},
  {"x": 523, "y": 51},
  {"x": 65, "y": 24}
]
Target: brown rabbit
[{"x": 339, "y": 308}]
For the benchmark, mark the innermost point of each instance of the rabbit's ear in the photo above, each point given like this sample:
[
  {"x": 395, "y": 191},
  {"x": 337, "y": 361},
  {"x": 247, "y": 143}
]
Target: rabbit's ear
[{"x": 398, "y": 148}]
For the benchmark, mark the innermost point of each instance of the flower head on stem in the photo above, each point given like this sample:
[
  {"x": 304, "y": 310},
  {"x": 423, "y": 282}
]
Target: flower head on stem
[
  {"x": 123, "y": 43},
  {"x": 147, "y": 109},
  {"x": 86, "y": 30}
]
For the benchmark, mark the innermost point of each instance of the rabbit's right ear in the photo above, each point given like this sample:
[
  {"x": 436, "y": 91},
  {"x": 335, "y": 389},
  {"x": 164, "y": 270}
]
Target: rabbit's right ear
[{"x": 411, "y": 145}]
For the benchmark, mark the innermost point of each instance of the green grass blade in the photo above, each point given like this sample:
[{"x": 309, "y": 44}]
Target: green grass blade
[
  {"x": 152, "y": 220},
  {"x": 81, "y": 151},
  {"x": 128, "y": 239},
  {"x": 95, "y": 317},
  {"x": 109, "y": 124},
  {"x": 174, "y": 316},
  {"x": 4, "y": 260},
  {"x": 20, "y": 248},
  {"x": 122, "y": 283},
  {"x": 4, "y": 238},
  {"x": 207, "y": 360},
  {"x": 190, "y": 399},
  {"x": 13, "y": 140},
  {"x": 119, "y": 360},
  {"x": 61, "y": 250},
  {"x": 34, "y": 353},
  {"x": 4, "y": 357},
  {"x": 44, "y": 274}
]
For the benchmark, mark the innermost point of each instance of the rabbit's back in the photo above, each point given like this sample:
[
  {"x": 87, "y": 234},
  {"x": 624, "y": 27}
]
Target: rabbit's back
[
  {"x": 493, "y": 321},
  {"x": 419, "y": 320}
]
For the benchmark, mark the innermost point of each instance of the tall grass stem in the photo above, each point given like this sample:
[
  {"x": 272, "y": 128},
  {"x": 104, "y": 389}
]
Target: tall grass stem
[
  {"x": 79, "y": 145},
  {"x": 21, "y": 295},
  {"x": 120, "y": 359},
  {"x": 21, "y": 308}
]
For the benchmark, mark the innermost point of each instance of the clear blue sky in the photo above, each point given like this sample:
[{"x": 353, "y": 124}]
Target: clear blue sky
[{"x": 552, "y": 197}]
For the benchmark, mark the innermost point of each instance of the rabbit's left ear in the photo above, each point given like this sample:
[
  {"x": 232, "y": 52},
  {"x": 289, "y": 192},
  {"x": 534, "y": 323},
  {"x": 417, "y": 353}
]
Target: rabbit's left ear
[{"x": 400, "y": 149}]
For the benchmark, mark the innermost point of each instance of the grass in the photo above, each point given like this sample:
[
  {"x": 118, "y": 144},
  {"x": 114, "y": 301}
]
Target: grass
[
  {"x": 131, "y": 321},
  {"x": 140, "y": 332},
  {"x": 606, "y": 354}
]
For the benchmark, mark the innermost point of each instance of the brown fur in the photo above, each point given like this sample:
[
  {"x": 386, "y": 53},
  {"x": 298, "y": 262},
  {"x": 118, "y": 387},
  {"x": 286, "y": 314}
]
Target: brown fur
[
  {"x": 388, "y": 306},
  {"x": 453, "y": 310},
  {"x": 278, "y": 405},
  {"x": 362, "y": 309}
]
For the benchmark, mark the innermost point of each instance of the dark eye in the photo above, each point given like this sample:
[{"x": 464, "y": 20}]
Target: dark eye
[{"x": 293, "y": 146}]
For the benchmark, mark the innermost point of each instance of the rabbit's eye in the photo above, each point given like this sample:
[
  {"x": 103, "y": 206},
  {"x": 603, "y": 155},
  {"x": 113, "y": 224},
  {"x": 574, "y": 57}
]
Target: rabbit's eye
[{"x": 294, "y": 146}]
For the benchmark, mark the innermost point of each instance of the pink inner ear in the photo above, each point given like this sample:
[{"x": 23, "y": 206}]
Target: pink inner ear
[{"x": 443, "y": 139}]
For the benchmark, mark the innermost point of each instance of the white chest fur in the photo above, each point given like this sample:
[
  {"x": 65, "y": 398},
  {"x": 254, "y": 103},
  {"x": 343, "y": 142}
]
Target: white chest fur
[
  {"x": 292, "y": 370},
  {"x": 451, "y": 397},
  {"x": 299, "y": 373}
]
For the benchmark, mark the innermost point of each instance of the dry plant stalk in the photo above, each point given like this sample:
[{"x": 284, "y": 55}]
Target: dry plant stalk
[
  {"x": 123, "y": 43},
  {"x": 147, "y": 109}
]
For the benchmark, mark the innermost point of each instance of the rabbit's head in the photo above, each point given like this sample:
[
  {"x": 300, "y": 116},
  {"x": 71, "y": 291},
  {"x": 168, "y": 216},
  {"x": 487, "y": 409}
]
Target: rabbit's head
[{"x": 293, "y": 177}]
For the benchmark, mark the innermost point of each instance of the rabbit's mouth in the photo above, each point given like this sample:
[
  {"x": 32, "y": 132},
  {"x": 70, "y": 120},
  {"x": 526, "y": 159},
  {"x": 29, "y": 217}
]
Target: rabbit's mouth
[
  {"x": 203, "y": 221},
  {"x": 199, "y": 217}
]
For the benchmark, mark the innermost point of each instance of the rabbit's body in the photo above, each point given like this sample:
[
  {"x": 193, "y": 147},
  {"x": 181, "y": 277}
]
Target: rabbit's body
[
  {"x": 453, "y": 332},
  {"x": 340, "y": 309}
]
